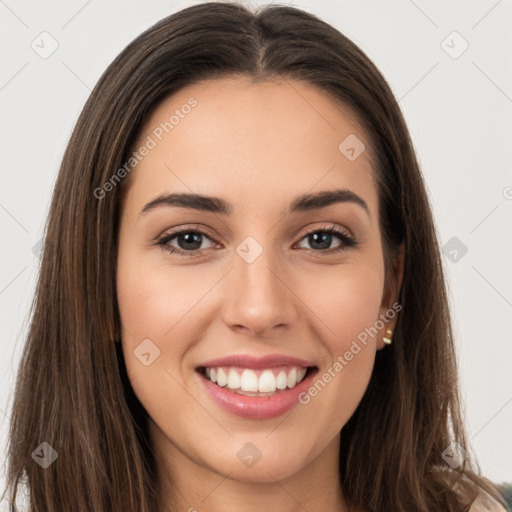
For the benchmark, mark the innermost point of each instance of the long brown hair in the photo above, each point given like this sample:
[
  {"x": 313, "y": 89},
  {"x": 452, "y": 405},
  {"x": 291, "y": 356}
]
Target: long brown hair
[{"x": 72, "y": 391}]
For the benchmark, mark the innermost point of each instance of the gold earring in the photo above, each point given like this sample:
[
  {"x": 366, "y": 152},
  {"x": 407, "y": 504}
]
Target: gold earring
[{"x": 387, "y": 340}]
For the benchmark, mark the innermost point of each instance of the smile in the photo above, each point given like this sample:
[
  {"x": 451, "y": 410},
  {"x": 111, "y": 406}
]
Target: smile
[{"x": 256, "y": 387}]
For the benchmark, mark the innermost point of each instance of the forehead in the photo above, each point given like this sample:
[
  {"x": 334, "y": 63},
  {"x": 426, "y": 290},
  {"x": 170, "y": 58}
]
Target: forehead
[{"x": 237, "y": 139}]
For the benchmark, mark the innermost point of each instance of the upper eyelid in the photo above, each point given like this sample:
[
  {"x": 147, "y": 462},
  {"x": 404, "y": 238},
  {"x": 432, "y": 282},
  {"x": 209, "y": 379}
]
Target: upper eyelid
[
  {"x": 331, "y": 227},
  {"x": 173, "y": 233}
]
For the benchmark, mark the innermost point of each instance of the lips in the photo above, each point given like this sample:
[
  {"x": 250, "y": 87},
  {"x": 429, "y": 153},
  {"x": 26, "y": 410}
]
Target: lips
[
  {"x": 256, "y": 387},
  {"x": 248, "y": 361}
]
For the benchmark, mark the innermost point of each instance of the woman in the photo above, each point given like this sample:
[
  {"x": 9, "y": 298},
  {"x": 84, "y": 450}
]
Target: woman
[{"x": 241, "y": 303}]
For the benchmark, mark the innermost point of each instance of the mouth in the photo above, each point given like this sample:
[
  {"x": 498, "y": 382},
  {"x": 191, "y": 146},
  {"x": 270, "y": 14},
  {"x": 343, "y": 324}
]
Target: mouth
[{"x": 256, "y": 388}]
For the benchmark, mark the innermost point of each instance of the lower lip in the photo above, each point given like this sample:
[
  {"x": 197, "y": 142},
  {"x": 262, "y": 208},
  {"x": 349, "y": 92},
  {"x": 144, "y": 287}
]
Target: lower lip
[{"x": 258, "y": 408}]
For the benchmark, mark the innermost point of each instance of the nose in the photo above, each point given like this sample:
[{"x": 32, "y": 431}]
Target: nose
[{"x": 258, "y": 299}]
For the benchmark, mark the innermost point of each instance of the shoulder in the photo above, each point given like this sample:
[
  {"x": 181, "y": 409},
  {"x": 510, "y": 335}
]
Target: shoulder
[{"x": 486, "y": 503}]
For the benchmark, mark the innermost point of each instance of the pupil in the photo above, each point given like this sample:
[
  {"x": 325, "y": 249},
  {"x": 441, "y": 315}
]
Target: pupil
[
  {"x": 325, "y": 240},
  {"x": 189, "y": 239}
]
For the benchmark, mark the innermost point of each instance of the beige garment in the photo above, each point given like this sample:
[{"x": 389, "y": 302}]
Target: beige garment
[{"x": 485, "y": 503}]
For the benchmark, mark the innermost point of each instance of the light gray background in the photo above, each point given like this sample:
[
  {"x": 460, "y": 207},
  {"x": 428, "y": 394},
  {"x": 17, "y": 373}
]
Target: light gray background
[{"x": 459, "y": 112}]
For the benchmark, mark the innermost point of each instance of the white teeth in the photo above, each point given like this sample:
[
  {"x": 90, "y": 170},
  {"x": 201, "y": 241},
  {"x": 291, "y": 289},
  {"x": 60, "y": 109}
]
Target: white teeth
[
  {"x": 249, "y": 381},
  {"x": 222, "y": 378},
  {"x": 267, "y": 382},
  {"x": 281, "y": 380},
  {"x": 233, "y": 379},
  {"x": 292, "y": 378}
]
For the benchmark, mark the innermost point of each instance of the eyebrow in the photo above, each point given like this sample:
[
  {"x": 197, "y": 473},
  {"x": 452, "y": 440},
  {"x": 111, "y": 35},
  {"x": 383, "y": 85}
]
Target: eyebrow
[{"x": 306, "y": 202}]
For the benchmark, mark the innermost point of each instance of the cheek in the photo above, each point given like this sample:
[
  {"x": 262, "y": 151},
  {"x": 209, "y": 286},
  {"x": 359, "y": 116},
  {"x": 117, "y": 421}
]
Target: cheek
[
  {"x": 151, "y": 304},
  {"x": 155, "y": 299},
  {"x": 346, "y": 301},
  {"x": 156, "y": 307}
]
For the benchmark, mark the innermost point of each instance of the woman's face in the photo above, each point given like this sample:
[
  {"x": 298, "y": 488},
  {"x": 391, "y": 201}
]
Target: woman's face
[{"x": 256, "y": 292}]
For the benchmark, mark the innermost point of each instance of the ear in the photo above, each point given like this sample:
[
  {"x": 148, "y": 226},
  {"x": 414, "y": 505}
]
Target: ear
[{"x": 389, "y": 306}]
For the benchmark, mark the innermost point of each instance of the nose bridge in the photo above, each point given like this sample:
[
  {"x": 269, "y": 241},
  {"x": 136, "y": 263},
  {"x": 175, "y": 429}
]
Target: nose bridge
[{"x": 257, "y": 297}]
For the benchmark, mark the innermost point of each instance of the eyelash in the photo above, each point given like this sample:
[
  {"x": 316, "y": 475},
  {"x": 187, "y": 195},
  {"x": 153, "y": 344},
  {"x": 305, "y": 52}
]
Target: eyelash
[{"x": 348, "y": 242}]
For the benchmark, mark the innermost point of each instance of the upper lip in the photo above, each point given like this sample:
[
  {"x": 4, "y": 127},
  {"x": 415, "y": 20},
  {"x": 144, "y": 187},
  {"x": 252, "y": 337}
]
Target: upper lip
[{"x": 249, "y": 361}]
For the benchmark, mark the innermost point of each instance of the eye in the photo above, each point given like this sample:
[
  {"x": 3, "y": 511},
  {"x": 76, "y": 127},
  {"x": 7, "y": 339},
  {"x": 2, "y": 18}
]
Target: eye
[
  {"x": 188, "y": 241},
  {"x": 320, "y": 239}
]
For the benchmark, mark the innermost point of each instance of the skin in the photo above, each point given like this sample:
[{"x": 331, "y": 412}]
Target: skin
[{"x": 257, "y": 146}]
